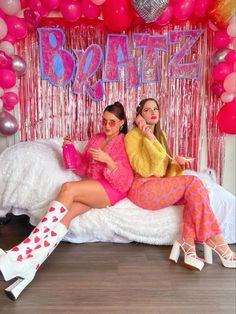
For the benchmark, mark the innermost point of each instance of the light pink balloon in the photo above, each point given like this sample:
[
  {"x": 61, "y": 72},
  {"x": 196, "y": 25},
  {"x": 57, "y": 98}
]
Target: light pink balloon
[
  {"x": 231, "y": 29},
  {"x": 10, "y": 7},
  {"x": 230, "y": 83},
  {"x": 98, "y": 2},
  {"x": 7, "y": 47},
  {"x": 1, "y": 91},
  {"x": 3, "y": 28},
  {"x": 89, "y": 9},
  {"x": 70, "y": 9},
  {"x": 227, "y": 97}
]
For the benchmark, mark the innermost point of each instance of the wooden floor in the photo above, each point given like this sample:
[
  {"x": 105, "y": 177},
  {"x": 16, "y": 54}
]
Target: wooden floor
[{"x": 117, "y": 278}]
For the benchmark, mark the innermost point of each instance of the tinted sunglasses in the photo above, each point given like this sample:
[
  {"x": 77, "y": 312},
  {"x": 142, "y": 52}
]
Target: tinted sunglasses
[{"x": 111, "y": 123}]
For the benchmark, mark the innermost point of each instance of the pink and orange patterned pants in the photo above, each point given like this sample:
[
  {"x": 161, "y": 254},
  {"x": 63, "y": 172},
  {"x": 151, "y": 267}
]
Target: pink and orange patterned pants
[{"x": 154, "y": 193}]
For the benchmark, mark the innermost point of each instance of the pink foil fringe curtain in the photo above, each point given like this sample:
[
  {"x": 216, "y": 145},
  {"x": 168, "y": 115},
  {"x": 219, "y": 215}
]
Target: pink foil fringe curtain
[{"x": 47, "y": 111}]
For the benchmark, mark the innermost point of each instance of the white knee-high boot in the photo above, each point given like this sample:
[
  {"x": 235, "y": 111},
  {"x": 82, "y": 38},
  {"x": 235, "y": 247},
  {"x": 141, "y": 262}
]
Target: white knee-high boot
[
  {"x": 54, "y": 214},
  {"x": 25, "y": 270}
]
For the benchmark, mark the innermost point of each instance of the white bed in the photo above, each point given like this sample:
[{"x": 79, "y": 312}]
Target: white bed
[{"x": 31, "y": 174}]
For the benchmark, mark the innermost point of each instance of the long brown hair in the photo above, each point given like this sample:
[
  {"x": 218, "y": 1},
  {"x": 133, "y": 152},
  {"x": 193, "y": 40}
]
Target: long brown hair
[
  {"x": 118, "y": 110},
  {"x": 159, "y": 134}
]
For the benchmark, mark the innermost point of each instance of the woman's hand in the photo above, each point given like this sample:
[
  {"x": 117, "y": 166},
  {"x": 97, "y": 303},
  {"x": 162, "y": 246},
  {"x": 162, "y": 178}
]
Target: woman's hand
[
  {"x": 184, "y": 162},
  {"x": 67, "y": 140},
  {"x": 144, "y": 128},
  {"x": 100, "y": 155}
]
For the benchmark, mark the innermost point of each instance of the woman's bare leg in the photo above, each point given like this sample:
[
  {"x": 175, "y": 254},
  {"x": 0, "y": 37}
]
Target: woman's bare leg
[{"x": 80, "y": 196}]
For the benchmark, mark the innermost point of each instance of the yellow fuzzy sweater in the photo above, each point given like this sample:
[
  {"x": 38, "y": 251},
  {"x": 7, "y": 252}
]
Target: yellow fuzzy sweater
[{"x": 148, "y": 158}]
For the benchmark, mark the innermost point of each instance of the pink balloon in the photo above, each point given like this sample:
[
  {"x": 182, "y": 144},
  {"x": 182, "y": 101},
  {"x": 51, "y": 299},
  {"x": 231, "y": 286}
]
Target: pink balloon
[
  {"x": 226, "y": 118},
  {"x": 7, "y": 47},
  {"x": 16, "y": 27},
  {"x": 5, "y": 61},
  {"x": 231, "y": 56},
  {"x": 221, "y": 39},
  {"x": 227, "y": 97},
  {"x": 118, "y": 15},
  {"x": 9, "y": 100},
  {"x": 212, "y": 26},
  {"x": 51, "y": 4},
  {"x": 98, "y": 2},
  {"x": 32, "y": 18},
  {"x": 10, "y": 7},
  {"x": 24, "y": 3},
  {"x": 221, "y": 70},
  {"x": 7, "y": 78},
  {"x": 89, "y": 9},
  {"x": 231, "y": 29},
  {"x": 37, "y": 5},
  {"x": 2, "y": 14},
  {"x": 201, "y": 7},
  {"x": 3, "y": 28},
  {"x": 10, "y": 38},
  {"x": 230, "y": 83},
  {"x": 234, "y": 67},
  {"x": 183, "y": 10},
  {"x": 70, "y": 9},
  {"x": 217, "y": 88},
  {"x": 166, "y": 16}
]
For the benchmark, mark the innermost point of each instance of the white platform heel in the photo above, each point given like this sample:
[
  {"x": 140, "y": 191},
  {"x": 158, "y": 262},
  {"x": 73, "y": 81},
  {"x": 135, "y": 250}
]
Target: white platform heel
[
  {"x": 191, "y": 260},
  {"x": 226, "y": 258}
]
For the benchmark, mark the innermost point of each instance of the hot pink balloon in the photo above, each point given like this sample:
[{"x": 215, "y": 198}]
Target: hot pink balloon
[
  {"x": 37, "y": 5},
  {"x": 183, "y": 10},
  {"x": 10, "y": 7},
  {"x": 221, "y": 39},
  {"x": 89, "y": 9},
  {"x": 16, "y": 27},
  {"x": 166, "y": 16},
  {"x": 10, "y": 38},
  {"x": 2, "y": 14},
  {"x": 230, "y": 83},
  {"x": 201, "y": 7},
  {"x": 7, "y": 78},
  {"x": 118, "y": 15},
  {"x": 32, "y": 18},
  {"x": 217, "y": 88},
  {"x": 226, "y": 118},
  {"x": 51, "y": 4},
  {"x": 10, "y": 99},
  {"x": 231, "y": 56},
  {"x": 98, "y": 2},
  {"x": 70, "y": 10},
  {"x": 24, "y": 3},
  {"x": 3, "y": 28},
  {"x": 5, "y": 61},
  {"x": 221, "y": 70}
]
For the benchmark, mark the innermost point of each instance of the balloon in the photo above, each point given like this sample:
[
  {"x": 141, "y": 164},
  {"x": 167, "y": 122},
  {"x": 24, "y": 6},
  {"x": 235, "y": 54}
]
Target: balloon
[
  {"x": 3, "y": 28},
  {"x": 10, "y": 99},
  {"x": 10, "y": 7},
  {"x": 8, "y": 123},
  {"x": 19, "y": 65},
  {"x": 230, "y": 83},
  {"x": 1, "y": 91},
  {"x": 227, "y": 97},
  {"x": 231, "y": 56},
  {"x": 226, "y": 118},
  {"x": 212, "y": 26},
  {"x": 16, "y": 27},
  {"x": 221, "y": 39},
  {"x": 118, "y": 15},
  {"x": 5, "y": 61},
  {"x": 219, "y": 55},
  {"x": 7, "y": 78},
  {"x": 36, "y": 5},
  {"x": 217, "y": 88},
  {"x": 7, "y": 47},
  {"x": 24, "y": 3},
  {"x": 98, "y": 2},
  {"x": 201, "y": 7},
  {"x": 89, "y": 9},
  {"x": 221, "y": 70},
  {"x": 51, "y": 4},
  {"x": 2, "y": 14},
  {"x": 32, "y": 18},
  {"x": 149, "y": 10},
  {"x": 1, "y": 105},
  {"x": 231, "y": 29},
  {"x": 70, "y": 9},
  {"x": 166, "y": 16},
  {"x": 10, "y": 38},
  {"x": 184, "y": 9}
]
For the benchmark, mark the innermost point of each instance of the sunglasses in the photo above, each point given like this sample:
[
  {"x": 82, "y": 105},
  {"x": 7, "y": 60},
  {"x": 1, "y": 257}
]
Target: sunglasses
[{"x": 111, "y": 123}]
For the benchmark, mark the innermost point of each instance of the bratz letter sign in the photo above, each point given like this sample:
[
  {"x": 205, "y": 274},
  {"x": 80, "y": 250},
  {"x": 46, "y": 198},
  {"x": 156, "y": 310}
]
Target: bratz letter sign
[{"x": 60, "y": 66}]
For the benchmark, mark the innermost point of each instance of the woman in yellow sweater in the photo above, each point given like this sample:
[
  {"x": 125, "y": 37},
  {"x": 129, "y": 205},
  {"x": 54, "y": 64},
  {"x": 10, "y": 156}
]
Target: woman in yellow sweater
[{"x": 159, "y": 182}]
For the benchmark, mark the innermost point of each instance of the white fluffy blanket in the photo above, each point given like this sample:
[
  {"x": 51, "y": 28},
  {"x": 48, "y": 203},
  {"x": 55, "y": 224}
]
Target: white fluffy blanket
[{"x": 31, "y": 174}]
